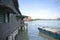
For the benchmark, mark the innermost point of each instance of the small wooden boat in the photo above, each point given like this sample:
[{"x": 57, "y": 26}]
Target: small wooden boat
[{"x": 50, "y": 31}]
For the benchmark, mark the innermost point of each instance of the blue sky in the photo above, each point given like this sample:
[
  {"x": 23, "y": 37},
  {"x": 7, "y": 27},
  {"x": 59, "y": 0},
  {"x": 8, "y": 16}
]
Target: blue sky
[{"x": 44, "y": 9}]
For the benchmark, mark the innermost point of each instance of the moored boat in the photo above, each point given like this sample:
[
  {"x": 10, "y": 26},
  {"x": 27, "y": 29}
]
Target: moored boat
[{"x": 50, "y": 31}]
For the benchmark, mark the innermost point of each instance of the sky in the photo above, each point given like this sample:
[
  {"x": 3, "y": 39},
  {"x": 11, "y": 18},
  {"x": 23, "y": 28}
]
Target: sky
[{"x": 42, "y": 9}]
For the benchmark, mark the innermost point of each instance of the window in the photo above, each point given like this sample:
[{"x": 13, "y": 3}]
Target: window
[
  {"x": 4, "y": 17},
  {"x": 7, "y": 18},
  {"x": 1, "y": 18}
]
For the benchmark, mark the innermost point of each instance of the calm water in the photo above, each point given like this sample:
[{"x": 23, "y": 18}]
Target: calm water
[{"x": 33, "y": 34}]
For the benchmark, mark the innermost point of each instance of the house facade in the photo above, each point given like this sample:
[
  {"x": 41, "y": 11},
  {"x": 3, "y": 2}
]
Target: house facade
[{"x": 9, "y": 22}]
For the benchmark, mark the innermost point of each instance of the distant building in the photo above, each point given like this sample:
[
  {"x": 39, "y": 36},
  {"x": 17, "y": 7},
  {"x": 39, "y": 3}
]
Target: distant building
[
  {"x": 27, "y": 18},
  {"x": 10, "y": 19}
]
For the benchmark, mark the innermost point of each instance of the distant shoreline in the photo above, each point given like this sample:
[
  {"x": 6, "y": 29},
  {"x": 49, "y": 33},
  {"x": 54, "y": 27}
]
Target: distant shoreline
[{"x": 43, "y": 19}]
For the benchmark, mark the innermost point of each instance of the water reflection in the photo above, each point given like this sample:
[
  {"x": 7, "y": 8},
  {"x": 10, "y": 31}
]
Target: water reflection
[{"x": 23, "y": 35}]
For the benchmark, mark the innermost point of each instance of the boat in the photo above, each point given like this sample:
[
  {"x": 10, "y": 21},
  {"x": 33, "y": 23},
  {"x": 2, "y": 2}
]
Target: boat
[{"x": 50, "y": 31}]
